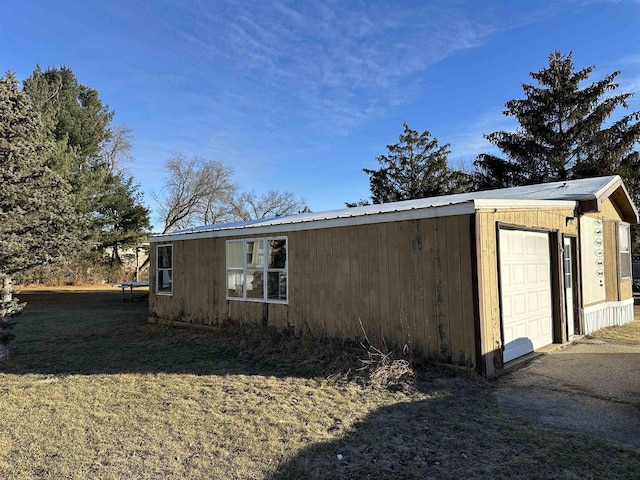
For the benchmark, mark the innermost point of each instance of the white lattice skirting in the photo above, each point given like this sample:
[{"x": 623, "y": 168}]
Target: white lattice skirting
[{"x": 607, "y": 314}]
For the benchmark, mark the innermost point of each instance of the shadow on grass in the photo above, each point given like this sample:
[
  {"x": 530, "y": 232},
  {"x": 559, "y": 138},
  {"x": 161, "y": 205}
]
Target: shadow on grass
[
  {"x": 95, "y": 332},
  {"x": 457, "y": 433},
  {"x": 451, "y": 430}
]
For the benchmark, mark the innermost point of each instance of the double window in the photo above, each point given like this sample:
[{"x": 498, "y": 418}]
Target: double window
[
  {"x": 624, "y": 249},
  {"x": 164, "y": 269},
  {"x": 257, "y": 270}
]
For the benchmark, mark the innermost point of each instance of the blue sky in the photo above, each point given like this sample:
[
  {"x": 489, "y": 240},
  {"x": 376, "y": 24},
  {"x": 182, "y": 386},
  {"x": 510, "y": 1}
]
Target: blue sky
[{"x": 301, "y": 96}]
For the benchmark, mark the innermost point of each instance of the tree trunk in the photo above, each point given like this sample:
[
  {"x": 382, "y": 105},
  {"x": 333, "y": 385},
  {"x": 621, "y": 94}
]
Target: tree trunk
[{"x": 9, "y": 306}]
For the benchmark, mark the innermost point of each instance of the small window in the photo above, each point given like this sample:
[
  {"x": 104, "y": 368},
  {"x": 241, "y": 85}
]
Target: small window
[
  {"x": 257, "y": 270},
  {"x": 235, "y": 270},
  {"x": 164, "y": 269},
  {"x": 624, "y": 249}
]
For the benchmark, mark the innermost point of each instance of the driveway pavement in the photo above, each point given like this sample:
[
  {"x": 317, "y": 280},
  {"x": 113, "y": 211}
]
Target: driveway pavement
[{"x": 591, "y": 386}]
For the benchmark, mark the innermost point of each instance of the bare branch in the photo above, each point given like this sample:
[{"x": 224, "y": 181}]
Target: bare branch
[
  {"x": 253, "y": 206},
  {"x": 197, "y": 191},
  {"x": 116, "y": 150}
]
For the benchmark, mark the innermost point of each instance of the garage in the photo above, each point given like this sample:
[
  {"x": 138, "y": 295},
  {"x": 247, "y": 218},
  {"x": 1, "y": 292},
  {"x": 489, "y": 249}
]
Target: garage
[{"x": 525, "y": 291}]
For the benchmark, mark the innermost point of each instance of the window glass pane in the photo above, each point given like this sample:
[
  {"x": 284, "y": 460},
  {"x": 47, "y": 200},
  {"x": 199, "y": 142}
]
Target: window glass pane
[
  {"x": 277, "y": 286},
  {"x": 623, "y": 236},
  {"x": 164, "y": 256},
  {"x": 625, "y": 253},
  {"x": 234, "y": 283},
  {"x": 277, "y": 253},
  {"x": 625, "y": 265},
  {"x": 234, "y": 254},
  {"x": 165, "y": 280},
  {"x": 255, "y": 254},
  {"x": 255, "y": 285}
]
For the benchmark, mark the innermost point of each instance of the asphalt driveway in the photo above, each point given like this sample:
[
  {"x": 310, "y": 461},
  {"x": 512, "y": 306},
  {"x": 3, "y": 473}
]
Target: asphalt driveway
[{"x": 591, "y": 386}]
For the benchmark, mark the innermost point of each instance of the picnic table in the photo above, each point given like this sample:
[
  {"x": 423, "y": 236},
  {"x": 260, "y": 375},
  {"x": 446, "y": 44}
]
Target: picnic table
[{"x": 131, "y": 286}]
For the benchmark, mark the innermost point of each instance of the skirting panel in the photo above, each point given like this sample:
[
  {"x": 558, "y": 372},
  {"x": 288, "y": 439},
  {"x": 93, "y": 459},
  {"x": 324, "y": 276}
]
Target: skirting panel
[{"x": 607, "y": 315}]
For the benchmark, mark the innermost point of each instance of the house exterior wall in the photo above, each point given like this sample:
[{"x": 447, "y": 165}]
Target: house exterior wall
[
  {"x": 488, "y": 282},
  {"x": 616, "y": 308},
  {"x": 408, "y": 282}
]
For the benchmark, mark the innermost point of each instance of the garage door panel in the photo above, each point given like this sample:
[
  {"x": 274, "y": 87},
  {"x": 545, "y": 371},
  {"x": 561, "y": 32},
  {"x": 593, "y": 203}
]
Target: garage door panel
[
  {"x": 525, "y": 284},
  {"x": 517, "y": 276}
]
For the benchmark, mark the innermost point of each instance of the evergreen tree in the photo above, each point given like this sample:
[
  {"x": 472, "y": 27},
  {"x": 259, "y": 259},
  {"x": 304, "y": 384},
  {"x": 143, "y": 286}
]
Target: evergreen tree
[
  {"x": 121, "y": 217},
  {"x": 79, "y": 125},
  {"x": 86, "y": 153},
  {"x": 564, "y": 132},
  {"x": 37, "y": 221},
  {"x": 415, "y": 167}
]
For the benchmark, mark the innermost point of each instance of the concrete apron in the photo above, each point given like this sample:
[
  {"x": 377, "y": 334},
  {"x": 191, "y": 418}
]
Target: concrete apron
[{"x": 588, "y": 386}]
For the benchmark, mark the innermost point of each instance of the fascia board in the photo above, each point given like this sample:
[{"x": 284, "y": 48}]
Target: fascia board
[
  {"x": 463, "y": 208},
  {"x": 503, "y": 204}
]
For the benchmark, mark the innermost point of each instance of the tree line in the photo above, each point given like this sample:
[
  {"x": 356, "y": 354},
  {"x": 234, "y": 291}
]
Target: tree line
[
  {"x": 565, "y": 131},
  {"x": 68, "y": 202},
  {"x": 67, "y": 197}
]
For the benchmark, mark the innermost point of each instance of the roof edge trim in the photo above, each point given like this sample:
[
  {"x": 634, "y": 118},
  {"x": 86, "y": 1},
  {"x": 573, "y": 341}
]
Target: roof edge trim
[
  {"x": 463, "y": 208},
  {"x": 507, "y": 203}
]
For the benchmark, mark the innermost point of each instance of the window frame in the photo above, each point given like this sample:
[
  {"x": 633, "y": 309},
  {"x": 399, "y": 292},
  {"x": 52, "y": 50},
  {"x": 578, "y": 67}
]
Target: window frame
[
  {"x": 624, "y": 229},
  {"x": 163, "y": 269},
  {"x": 264, "y": 269}
]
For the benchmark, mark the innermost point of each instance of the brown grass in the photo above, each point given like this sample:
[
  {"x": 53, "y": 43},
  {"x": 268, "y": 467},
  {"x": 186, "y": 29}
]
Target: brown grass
[
  {"x": 93, "y": 391},
  {"x": 629, "y": 332}
]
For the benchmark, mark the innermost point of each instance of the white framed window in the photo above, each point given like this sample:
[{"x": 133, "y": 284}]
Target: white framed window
[
  {"x": 624, "y": 250},
  {"x": 257, "y": 270},
  {"x": 164, "y": 269}
]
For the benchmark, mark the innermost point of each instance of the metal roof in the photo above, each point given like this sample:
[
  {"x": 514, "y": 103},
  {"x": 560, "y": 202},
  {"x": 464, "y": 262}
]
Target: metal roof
[{"x": 529, "y": 196}]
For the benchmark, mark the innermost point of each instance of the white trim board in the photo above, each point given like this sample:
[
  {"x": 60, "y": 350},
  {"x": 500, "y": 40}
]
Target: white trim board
[
  {"x": 281, "y": 225},
  {"x": 295, "y": 223},
  {"x": 604, "y": 305}
]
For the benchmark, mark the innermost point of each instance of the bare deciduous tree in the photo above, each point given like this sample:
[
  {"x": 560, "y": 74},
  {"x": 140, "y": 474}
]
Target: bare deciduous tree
[
  {"x": 116, "y": 149},
  {"x": 254, "y": 206},
  {"x": 197, "y": 192}
]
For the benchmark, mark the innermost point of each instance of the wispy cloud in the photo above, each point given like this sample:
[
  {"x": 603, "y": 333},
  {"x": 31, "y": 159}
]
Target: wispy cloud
[
  {"x": 470, "y": 142},
  {"x": 321, "y": 62}
]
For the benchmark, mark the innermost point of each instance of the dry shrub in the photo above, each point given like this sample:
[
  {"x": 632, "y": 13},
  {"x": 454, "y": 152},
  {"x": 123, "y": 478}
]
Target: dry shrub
[
  {"x": 82, "y": 272},
  {"x": 383, "y": 369},
  {"x": 340, "y": 361}
]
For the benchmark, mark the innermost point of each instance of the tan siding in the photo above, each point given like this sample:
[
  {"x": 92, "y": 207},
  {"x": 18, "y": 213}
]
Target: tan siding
[
  {"x": 364, "y": 291},
  {"x": 303, "y": 268},
  {"x": 626, "y": 289},
  {"x": 373, "y": 288},
  {"x": 552, "y": 219},
  {"x": 417, "y": 334},
  {"x": 344, "y": 300},
  {"x": 401, "y": 317},
  {"x": 355, "y": 277},
  {"x": 466, "y": 285},
  {"x": 430, "y": 325},
  {"x": 611, "y": 260},
  {"x": 457, "y": 349},
  {"x": 323, "y": 276},
  {"x": 610, "y": 211},
  {"x": 442, "y": 293},
  {"x": 395, "y": 288},
  {"x": 405, "y": 280},
  {"x": 384, "y": 305}
]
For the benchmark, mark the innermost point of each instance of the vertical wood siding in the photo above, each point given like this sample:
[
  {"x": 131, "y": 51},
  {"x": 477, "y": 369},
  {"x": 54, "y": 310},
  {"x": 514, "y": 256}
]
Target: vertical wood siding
[
  {"x": 552, "y": 219},
  {"x": 617, "y": 289},
  {"x": 611, "y": 282},
  {"x": 407, "y": 282}
]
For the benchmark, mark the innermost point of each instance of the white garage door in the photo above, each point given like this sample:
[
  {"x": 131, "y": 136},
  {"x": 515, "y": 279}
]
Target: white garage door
[{"x": 525, "y": 284}]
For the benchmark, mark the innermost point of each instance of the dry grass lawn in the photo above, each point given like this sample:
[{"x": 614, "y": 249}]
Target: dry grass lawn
[
  {"x": 628, "y": 333},
  {"x": 93, "y": 391}
]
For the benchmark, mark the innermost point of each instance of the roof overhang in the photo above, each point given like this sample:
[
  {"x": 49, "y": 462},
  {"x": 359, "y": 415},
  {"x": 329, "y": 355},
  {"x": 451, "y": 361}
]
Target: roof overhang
[
  {"x": 620, "y": 197},
  {"x": 282, "y": 225}
]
